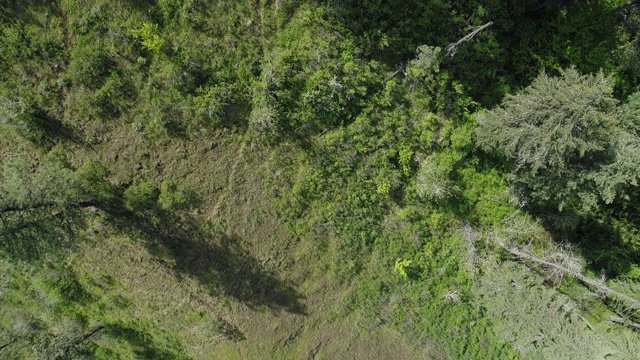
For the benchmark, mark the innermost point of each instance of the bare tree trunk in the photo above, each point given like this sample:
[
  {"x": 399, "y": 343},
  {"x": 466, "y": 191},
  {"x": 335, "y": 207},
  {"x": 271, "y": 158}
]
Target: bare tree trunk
[
  {"x": 452, "y": 48},
  {"x": 600, "y": 286},
  {"x": 7, "y": 344},
  {"x": 81, "y": 204},
  {"x": 89, "y": 335},
  {"x": 621, "y": 321}
]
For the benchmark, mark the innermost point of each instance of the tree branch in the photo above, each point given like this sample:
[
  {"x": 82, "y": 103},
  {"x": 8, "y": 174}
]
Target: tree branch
[
  {"x": 80, "y": 204},
  {"x": 601, "y": 287},
  {"x": 89, "y": 335},
  {"x": 621, "y": 321},
  {"x": 453, "y": 47},
  {"x": 585, "y": 321},
  {"x": 7, "y": 344},
  {"x": 79, "y": 341}
]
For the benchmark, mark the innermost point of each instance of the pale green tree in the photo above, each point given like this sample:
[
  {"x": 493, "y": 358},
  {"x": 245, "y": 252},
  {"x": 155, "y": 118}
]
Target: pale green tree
[{"x": 567, "y": 140}]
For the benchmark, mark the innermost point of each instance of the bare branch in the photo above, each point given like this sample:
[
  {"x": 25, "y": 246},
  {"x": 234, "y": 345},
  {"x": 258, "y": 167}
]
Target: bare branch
[
  {"x": 621, "y": 321},
  {"x": 42, "y": 205},
  {"x": 585, "y": 321},
  {"x": 453, "y": 47},
  {"x": 7, "y": 344},
  {"x": 557, "y": 268}
]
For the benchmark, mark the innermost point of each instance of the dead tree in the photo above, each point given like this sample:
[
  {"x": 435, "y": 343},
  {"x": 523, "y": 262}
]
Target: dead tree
[{"x": 452, "y": 48}]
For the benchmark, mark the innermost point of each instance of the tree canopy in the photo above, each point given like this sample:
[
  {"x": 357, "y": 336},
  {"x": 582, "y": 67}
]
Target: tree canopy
[{"x": 565, "y": 138}]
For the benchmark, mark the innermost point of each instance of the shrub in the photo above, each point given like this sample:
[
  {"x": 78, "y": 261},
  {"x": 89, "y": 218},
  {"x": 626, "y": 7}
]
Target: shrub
[
  {"x": 25, "y": 117},
  {"x": 140, "y": 196},
  {"x": 90, "y": 65},
  {"x": 148, "y": 36},
  {"x": 173, "y": 197},
  {"x": 92, "y": 178}
]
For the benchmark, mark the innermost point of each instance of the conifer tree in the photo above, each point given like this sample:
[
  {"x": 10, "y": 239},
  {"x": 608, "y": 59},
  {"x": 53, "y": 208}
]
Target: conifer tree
[{"x": 565, "y": 139}]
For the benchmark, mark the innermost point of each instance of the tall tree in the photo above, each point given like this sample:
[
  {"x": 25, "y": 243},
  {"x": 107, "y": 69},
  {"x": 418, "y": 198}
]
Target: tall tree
[
  {"x": 39, "y": 204},
  {"x": 565, "y": 139}
]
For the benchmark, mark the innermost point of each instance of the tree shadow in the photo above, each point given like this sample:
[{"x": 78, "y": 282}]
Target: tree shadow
[
  {"x": 141, "y": 342},
  {"x": 55, "y": 130},
  {"x": 608, "y": 244},
  {"x": 43, "y": 129},
  {"x": 31, "y": 236},
  {"x": 217, "y": 260},
  {"x": 392, "y": 30},
  {"x": 606, "y": 239}
]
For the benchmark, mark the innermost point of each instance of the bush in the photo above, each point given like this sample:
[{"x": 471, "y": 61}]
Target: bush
[
  {"x": 25, "y": 117},
  {"x": 174, "y": 197},
  {"x": 147, "y": 34},
  {"x": 90, "y": 65},
  {"x": 140, "y": 196},
  {"x": 112, "y": 97},
  {"x": 93, "y": 181}
]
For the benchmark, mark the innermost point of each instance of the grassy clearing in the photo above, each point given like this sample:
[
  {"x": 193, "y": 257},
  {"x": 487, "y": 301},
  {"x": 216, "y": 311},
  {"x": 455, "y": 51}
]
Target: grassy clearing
[{"x": 251, "y": 289}]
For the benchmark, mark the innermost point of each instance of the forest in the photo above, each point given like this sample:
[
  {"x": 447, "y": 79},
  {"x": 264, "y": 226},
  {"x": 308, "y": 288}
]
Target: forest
[{"x": 309, "y": 179}]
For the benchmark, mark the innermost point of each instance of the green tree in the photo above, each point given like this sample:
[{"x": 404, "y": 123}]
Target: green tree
[
  {"x": 27, "y": 119},
  {"x": 565, "y": 139},
  {"x": 39, "y": 206}
]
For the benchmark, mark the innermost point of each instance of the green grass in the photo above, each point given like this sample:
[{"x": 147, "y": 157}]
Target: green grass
[{"x": 263, "y": 175}]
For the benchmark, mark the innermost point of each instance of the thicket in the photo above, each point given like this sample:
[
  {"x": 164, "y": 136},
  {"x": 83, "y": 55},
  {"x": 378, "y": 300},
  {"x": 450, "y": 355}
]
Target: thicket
[{"x": 388, "y": 151}]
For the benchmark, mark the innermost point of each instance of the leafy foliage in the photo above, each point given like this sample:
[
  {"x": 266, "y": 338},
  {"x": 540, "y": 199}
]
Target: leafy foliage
[
  {"x": 25, "y": 117},
  {"x": 148, "y": 36},
  {"x": 173, "y": 197},
  {"x": 517, "y": 300}
]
